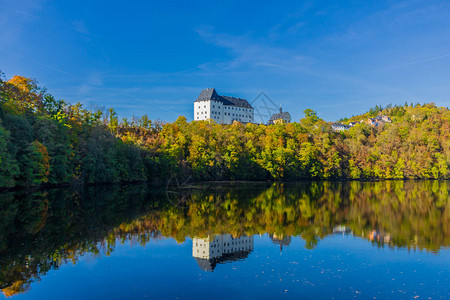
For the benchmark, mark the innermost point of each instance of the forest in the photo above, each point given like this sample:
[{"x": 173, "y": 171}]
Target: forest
[{"x": 50, "y": 142}]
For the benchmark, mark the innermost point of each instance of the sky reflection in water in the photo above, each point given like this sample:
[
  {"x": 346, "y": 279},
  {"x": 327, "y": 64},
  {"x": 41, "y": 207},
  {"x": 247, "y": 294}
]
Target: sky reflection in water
[{"x": 353, "y": 247}]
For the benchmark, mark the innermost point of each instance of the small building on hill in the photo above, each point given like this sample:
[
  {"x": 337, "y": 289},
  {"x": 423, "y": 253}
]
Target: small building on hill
[
  {"x": 379, "y": 120},
  {"x": 384, "y": 118},
  {"x": 281, "y": 117},
  {"x": 339, "y": 127}
]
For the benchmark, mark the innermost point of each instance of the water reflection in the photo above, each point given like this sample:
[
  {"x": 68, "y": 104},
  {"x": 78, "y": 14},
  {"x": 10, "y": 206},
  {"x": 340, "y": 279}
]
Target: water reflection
[
  {"x": 223, "y": 248},
  {"x": 40, "y": 231},
  {"x": 280, "y": 240}
]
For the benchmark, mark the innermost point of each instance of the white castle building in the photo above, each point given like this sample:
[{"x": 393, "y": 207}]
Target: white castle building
[
  {"x": 220, "y": 249},
  {"x": 222, "y": 109}
]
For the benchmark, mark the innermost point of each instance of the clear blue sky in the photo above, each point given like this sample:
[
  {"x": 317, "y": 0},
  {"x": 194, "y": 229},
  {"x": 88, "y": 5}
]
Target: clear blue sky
[{"x": 336, "y": 57}]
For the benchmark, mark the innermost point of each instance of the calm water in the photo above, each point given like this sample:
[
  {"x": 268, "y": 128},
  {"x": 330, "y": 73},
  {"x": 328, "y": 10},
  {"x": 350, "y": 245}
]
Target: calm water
[{"x": 243, "y": 241}]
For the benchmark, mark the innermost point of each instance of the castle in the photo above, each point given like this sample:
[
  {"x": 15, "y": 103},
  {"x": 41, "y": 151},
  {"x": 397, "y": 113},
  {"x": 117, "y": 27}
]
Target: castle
[{"x": 222, "y": 109}]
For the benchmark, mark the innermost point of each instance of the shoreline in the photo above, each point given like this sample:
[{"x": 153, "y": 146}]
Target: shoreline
[{"x": 190, "y": 184}]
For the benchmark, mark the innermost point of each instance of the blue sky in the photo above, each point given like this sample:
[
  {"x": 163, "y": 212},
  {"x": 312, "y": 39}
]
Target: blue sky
[{"x": 154, "y": 57}]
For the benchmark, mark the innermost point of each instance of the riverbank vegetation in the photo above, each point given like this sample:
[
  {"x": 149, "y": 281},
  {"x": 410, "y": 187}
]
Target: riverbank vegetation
[{"x": 48, "y": 141}]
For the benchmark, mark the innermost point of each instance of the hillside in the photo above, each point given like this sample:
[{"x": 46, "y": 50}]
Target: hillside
[{"x": 48, "y": 141}]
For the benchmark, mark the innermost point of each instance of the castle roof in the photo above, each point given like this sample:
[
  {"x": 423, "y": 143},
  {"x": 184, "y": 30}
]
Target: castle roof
[
  {"x": 211, "y": 94},
  {"x": 210, "y": 264}
]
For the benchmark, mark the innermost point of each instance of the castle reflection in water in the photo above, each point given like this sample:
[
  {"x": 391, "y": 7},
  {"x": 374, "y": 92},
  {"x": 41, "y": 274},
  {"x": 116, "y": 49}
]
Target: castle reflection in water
[
  {"x": 224, "y": 248},
  {"x": 219, "y": 249}
]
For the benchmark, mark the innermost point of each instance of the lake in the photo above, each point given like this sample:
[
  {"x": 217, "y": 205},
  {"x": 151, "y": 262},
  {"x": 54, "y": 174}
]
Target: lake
[{"x": 308, "y": 240}]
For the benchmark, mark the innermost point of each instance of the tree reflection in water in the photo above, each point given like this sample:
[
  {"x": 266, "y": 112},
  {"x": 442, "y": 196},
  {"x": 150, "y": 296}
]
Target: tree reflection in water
[{"x": 40, "y": 231}]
